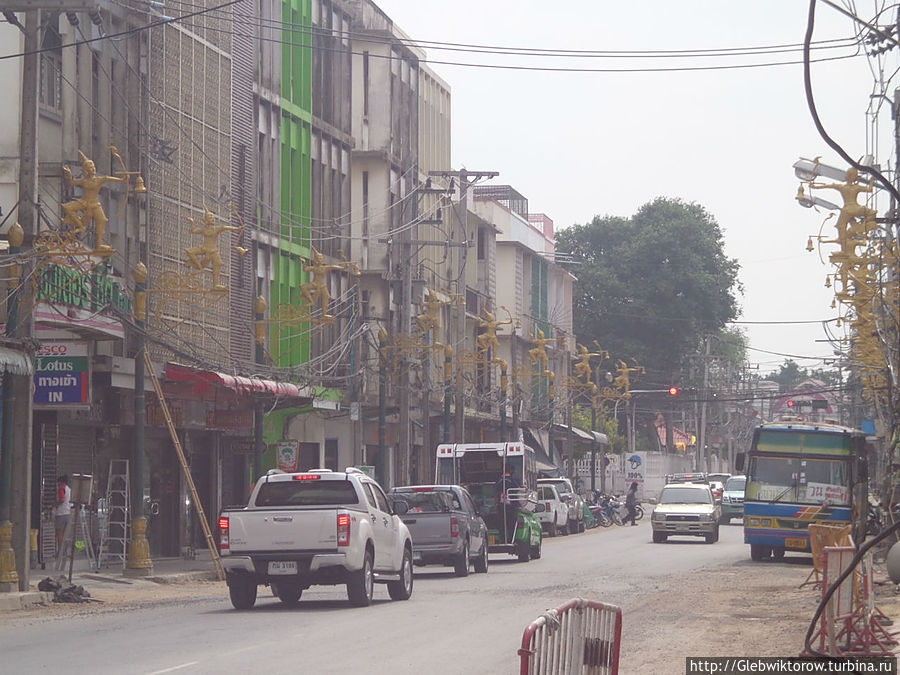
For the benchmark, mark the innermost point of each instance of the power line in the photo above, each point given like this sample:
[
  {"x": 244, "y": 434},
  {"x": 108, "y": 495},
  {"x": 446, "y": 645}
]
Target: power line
[{"x": 130, "y": 31}]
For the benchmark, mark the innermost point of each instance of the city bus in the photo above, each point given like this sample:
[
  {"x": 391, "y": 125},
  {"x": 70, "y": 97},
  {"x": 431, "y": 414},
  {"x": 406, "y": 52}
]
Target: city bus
[
  {"x": 502, "y": 479},
  {"x": 800, "y": 473}
]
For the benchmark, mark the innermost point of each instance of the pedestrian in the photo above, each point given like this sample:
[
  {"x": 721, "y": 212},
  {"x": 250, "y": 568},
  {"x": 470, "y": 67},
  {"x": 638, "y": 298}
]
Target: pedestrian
[
  {"x": 63, "y": 511},
  {"x": 631, "y": 503}
]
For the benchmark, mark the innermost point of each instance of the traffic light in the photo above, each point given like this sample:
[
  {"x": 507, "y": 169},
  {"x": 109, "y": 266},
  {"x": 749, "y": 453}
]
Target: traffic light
[
  {"x": 790, "y": 404},
  {"x": 673, "y": 391}
]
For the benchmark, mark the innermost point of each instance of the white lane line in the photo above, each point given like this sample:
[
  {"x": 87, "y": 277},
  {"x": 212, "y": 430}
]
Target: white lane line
[{"x": 173, "y": 668}]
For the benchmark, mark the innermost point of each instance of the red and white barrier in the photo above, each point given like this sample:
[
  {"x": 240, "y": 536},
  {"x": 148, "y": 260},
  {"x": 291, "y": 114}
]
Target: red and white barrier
[{"x": 581, "y": 636}]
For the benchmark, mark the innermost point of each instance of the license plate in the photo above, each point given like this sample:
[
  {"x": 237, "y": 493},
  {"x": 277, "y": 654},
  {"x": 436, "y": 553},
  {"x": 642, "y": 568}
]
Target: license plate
[
  {"x": 282, "y": 567},
  {"x": 795, "y": 543}
]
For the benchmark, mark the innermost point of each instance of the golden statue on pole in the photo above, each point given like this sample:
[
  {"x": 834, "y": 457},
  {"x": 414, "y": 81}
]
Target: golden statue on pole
[
  {"x": 207, "y": 253},
  {"x": 858, "y": 220},
  {"x": 582, "y": 366},
  {"x": 488, "y": 338},
  {"x": 430, "y": 319},
  {"x": 316, "y": 289},
  {"x": 84, "y": 210},
  {"x": 538, "y": 354}
]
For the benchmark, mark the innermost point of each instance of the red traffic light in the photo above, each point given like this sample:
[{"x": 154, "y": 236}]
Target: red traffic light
[
  {"x": 790, "y": 404},
  {"x": 673, "y": 391}
]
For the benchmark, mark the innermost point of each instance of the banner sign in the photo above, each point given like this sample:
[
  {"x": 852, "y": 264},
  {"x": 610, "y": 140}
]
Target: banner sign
[
  {"x": 62, "y": 374},
  {"x": 288, "y": 455}
]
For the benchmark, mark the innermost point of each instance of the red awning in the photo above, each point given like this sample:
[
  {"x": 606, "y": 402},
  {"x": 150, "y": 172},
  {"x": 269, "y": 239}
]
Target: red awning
[{"x": 203, "y": 380}]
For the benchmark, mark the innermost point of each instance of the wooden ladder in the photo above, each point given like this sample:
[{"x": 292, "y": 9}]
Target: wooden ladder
[{"x": 210, "y": 540}]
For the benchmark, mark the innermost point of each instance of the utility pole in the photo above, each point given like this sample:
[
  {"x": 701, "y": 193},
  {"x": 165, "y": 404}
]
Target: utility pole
[
  {"x": 17, "y": 439},
  {"x": 458, "y": 342},
  {"x": 701, "y": 450}
]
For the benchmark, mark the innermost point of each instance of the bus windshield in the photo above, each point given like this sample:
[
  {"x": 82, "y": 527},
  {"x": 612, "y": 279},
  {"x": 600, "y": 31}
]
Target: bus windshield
[{"x": 799, "y": 480}]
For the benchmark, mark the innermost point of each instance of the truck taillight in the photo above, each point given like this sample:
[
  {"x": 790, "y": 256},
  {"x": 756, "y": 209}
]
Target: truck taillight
[
  {"x": 454, "y": 526},
  {"x": 549, "y": 506},
  {"x": 223, "y": 533},
  {"x": 343, "y": 529}
]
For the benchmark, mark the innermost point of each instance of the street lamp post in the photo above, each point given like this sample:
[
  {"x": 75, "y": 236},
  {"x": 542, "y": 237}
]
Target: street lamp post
[{"x": 139, "y": 562}]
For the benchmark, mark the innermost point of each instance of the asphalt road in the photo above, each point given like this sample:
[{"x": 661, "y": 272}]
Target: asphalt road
[{"x": 470, "y": 625}]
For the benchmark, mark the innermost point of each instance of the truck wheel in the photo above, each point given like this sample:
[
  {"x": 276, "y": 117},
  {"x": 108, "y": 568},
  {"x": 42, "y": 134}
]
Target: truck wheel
[
  {"x": 402, "y": 589},
  {"x": 659, "y": 537},
  {"x": 287, "y": 591},
  {"x": 551, "y": 531},
  {"x": 759, "y": 552},
  {"x": 242, "y": 591},
  {"x": 523, "y": 552},
  {"x": 713, "y": 537},
  {"x": 461, "y": 564},
  {"x": 725, "y": 520},
  {"x": 481, "y": 563},
  {"x": 778, "y": 553},
  {"x": 360, "y": 585}
]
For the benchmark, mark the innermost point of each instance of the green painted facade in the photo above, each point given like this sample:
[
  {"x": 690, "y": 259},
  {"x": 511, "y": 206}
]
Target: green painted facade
[{"x": 292, "y": 347}]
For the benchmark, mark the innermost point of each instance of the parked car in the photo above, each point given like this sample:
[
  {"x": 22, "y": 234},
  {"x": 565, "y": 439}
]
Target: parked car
[
  {"x": 733, "y": 499},
  {"x": 551, "y": 510},
  {"x": 717, "y": 488},
  {"x": 694, "y": 477},
  {"x": 315, "y": 527},
  {"x": 574, "y": 500},
  {"x": 445, "y": 526},
  {"x": 686, "y": 509}
]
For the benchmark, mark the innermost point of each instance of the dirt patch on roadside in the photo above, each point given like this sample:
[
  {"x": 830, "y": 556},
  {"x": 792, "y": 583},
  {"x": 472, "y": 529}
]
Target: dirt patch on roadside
[{"x": 749, "y": 609}]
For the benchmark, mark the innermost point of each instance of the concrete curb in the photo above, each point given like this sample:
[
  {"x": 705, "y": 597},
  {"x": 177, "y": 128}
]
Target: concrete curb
[{"x": 13, "y": 601}]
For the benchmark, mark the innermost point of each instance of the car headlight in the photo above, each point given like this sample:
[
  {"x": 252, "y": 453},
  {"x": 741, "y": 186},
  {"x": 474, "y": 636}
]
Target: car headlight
[
  {"x": 726, "y": 499},
  {"x": 657, "y": 516},
  {"x": 706, "y": 517}
]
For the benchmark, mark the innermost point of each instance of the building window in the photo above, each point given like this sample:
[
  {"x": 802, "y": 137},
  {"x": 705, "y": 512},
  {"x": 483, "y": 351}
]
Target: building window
[
  {"x": 365, "y": 84},
  {"x": 482, "y": 244},
  {"x": 51, "y": 67}
]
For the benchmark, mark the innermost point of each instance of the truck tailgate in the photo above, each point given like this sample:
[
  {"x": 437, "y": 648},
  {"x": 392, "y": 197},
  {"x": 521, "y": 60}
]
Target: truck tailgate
[
  {"x": 283, "y": 530},
  {"x": 428, "y": 529}
]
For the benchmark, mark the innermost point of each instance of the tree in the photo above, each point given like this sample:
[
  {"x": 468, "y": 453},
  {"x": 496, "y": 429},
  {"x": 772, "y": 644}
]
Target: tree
[
  {"x": 788, "y": 376},
  {"x": 651, "y": 285}
]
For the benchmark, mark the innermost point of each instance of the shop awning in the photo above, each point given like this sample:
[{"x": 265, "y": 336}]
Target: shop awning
[
  {"x": 203, "y": 380},
  {"x": 14, "y": 362}
]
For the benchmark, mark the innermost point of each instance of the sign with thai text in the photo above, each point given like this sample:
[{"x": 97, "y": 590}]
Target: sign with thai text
[
  {"x": 826, "y": 492},
  {"x": 61, "y": 374},
  {"x": 288, "y": 455}
]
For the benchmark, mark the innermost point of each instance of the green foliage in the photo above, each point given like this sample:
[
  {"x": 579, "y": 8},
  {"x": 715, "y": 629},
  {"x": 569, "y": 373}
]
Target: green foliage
[
  {"x": 790, "y": 374},
  {"x": 651, "y": 285},
  {"x": 581, "y": 418}
]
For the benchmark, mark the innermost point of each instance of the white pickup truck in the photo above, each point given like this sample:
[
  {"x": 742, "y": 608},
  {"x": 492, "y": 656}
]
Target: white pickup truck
[{"x": 316, "y": 527}]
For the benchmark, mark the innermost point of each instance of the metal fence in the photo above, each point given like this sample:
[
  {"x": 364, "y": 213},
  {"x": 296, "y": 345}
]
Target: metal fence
[{"x": 581, "y": 636}]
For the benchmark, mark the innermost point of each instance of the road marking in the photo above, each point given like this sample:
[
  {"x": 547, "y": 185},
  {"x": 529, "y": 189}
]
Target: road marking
[{"x": 173, "y": 668}]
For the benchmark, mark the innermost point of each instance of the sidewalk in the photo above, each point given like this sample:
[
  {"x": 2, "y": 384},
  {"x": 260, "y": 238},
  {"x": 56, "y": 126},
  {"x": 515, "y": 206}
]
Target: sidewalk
[{"x": 165, "y": 571}]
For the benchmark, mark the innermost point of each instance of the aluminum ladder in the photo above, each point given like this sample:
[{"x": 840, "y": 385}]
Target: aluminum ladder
[{"x": 114, "y": 527}]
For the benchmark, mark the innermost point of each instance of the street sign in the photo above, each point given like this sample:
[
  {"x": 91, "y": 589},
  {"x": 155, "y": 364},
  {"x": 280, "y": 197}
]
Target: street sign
[{"x": 61, "y": 374}]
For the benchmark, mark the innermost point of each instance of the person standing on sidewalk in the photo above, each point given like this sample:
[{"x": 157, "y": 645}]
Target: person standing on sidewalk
[
  {"x": 63, "y": 511},
  {"x": 631, "y": 503}
]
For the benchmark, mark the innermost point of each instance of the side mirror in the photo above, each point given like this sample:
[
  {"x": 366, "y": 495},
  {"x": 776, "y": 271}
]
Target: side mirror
[
  {"x": 540, "y": 508},
  {"x": 400, "y": 506}
]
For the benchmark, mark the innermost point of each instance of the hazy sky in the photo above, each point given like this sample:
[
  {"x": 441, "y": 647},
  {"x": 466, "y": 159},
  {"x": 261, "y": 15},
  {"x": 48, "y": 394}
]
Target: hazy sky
[{"x": 580, "y": 144}]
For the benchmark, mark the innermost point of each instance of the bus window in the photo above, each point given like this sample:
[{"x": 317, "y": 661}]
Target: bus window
[
  {"x": 773, "y": 479},
  {"x": 444, "y": 471},
  {"x": 825, "y": 480}
]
